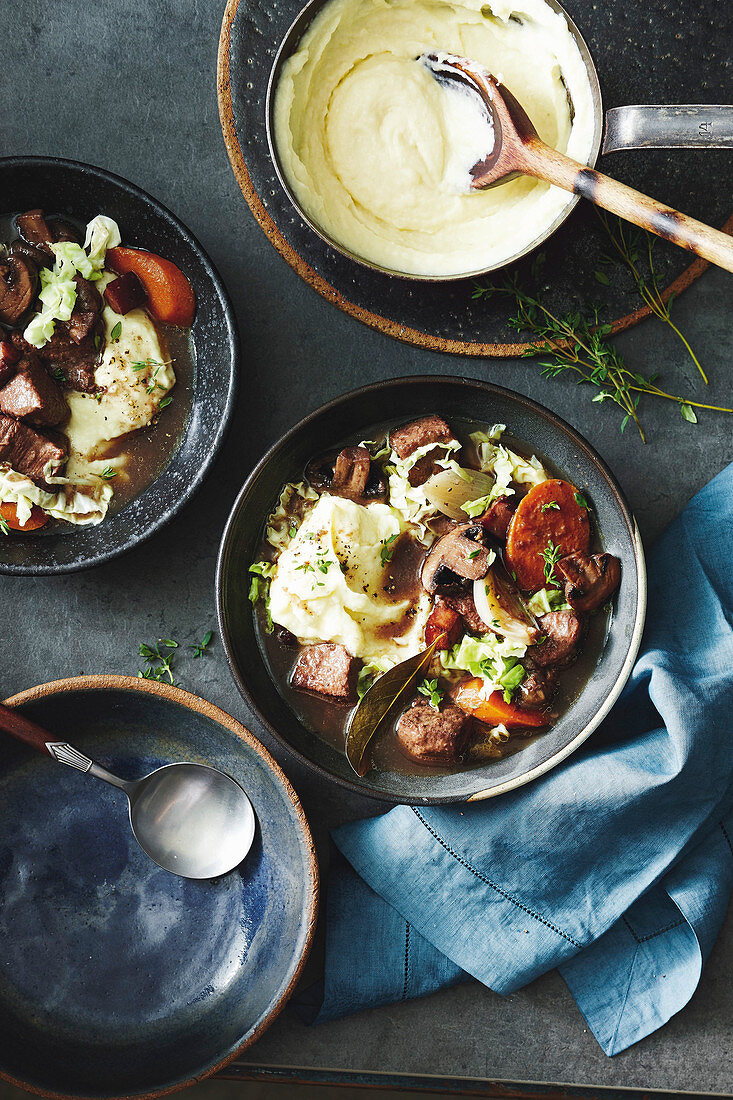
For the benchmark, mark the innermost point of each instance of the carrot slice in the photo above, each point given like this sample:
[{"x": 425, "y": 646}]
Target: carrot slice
[
  {"x": 494, "y": 710},
  {"x": 548, "y": 518},
  {"x": 170, "y": 295},
  {"x": 37, "y": 518}
]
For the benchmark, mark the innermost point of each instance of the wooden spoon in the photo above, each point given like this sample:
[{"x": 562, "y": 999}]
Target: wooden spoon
[{"x": 519, "y": 151}]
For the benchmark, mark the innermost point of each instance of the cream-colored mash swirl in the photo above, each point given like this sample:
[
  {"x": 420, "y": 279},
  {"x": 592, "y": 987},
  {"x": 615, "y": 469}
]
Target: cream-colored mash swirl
[{"x": 366, "y": 137}]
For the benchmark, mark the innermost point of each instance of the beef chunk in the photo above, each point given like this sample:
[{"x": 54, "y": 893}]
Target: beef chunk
[
  {"x": 78, "y": 361},
  {"x": 32, "y": 395},
  {"x": 406, "y": 440},
  {"x": 497, "y": 519},
  {"x": 466, "y": 608},
  {"x": 431, "y": 736},
  {"x": 35, "y": 229},
  {"x": 430, "y": 429},
  {"x": 443, "y": 620},
  {"x": 328, "y": 669},
  {"x": 88, "y": 306},
  {"x": 537, "y": 689},
  {"x": 563, "y": 632},
  {"x": 589, "y": 579},
  {"x": 18, "y": 285},
  {"x": 29, "y": 451}
]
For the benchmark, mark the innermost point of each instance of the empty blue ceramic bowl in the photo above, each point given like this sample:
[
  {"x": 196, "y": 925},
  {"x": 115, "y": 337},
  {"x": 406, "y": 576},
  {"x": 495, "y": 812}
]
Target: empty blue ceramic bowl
[{"x": 118, "y": 978}]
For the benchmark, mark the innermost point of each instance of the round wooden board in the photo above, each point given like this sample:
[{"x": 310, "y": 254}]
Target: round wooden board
[{"x": 659, "y": 59}]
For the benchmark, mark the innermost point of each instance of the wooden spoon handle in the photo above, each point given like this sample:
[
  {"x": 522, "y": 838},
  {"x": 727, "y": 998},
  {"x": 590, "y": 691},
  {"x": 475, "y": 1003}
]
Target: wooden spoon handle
[
  {"x": 548, "y": 164},
  {"x": 23, "y": 729}
]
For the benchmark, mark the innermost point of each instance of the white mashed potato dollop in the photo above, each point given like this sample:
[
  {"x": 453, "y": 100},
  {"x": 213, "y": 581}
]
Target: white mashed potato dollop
[
  {"x": 367, "y": 138},
  {"x": 329, "y": 582},
  {"x": 135, "y": 376}
]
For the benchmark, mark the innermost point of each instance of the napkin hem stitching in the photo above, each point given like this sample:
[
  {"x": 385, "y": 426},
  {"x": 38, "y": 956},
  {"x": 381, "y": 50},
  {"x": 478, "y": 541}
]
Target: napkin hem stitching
[
  {"x": 727, "y": 837},
  {"x": 407, "y": 961},
  {"x": 653, "y": 935},
  {"x": 482, "y": 878}
]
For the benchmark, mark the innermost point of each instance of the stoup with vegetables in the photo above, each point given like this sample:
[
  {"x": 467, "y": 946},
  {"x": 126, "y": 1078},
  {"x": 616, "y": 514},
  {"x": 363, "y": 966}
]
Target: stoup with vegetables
[
  {"x": 89, "y": 330},
  {"x": 429, "y": 598}
]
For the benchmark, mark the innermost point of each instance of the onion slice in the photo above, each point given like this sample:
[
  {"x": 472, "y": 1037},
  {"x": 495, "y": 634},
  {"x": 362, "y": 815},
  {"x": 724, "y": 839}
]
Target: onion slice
[
  {"x": 502, "y": 608},
  {"x": 449, "y": 491}
]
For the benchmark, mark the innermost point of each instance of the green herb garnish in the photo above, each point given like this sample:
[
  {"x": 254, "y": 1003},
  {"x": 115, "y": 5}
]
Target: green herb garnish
[
  {"x": 4, "y": 527},
  {"x": 58, "y": 374},
  {"x": 116, "y": 331},
  {"x": 581, "y": 501},
  {"x": 108, "y": 473},
  {"x": 159, "y": 664},
  {"x": 551, "y": 556},
  {"x": 474, "y": 553},
  {"x": 388, "y": 548},
  {"x": 550, "y": 504},
  {"x": 165, "y": 402},
  {"x": 200, "y": 648},
  {"x": 431, "y": 691},
  {"x": 579, "y": 342}
]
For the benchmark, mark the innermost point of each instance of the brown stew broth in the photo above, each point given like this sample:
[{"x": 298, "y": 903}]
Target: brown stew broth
[
  {"x": 148, "y": 450},
  {"x": 328, "y": 719}
]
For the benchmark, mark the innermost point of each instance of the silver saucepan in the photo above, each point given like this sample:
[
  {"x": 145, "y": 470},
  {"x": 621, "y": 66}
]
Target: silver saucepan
[{"x": 639, "y": 126}]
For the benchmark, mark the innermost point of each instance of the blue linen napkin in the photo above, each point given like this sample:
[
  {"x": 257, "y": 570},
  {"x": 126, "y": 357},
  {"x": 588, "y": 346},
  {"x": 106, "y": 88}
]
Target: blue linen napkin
[{"x": 615, "y": 867}]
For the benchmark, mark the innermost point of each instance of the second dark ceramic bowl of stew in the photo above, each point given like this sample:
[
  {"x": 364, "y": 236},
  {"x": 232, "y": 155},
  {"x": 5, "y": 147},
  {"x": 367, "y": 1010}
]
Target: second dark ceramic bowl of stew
[
  {"x": 175, "y": 457},
  {"x": 533, "y": 430}
]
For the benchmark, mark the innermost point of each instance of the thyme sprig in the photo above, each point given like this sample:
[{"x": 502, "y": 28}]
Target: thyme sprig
[
  {"x": 629, "y": 244},
  {"x": 579, "y": 343}
]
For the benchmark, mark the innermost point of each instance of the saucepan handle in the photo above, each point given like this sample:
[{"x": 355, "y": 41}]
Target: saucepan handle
[{"x": 677, "y": 126}]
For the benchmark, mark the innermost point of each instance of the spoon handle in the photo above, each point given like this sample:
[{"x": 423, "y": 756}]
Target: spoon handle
[
  {"x": 548, "y": 164},
  {"x": 23, "y": 729}
]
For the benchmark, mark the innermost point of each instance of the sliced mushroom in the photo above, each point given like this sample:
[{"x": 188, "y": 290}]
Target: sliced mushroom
[
  {"x": 347, "y": 473},
  {"x": 29, "y": 252},
  {"x": 351, "y": 473},
  {"x": 456, "y": 557},
  {"x": 18, "y": 284},
  {"x": 589, "y": 579}
]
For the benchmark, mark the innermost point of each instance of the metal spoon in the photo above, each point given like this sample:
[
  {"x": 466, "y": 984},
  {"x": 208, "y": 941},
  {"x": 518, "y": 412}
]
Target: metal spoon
[
  {"x": 190, "y": 819},
  {"x": 519, "y": 151}
]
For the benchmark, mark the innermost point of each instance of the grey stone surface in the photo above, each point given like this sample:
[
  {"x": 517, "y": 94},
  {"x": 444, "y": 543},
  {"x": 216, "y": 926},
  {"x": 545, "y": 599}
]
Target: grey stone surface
[{"x": 131, "y": 86}]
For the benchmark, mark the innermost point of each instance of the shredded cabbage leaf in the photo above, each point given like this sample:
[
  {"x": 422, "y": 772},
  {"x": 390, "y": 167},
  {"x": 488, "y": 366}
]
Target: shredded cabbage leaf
[
  {"x": 58, "y": 292},
  {"x": 410, "y": 500},
  {"x": 281, "y": 523},
  {"x": 506, "y": 466},
  {"x": 494, "y": 660},
  {"x": 81, "y": 503},
  {"x": 547, "y": 600}
]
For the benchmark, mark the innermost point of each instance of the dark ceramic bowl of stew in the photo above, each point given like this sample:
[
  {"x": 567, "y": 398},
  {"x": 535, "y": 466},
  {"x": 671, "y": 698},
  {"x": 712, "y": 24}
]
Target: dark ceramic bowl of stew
[
  {"x": 172, "y": 457},
  {"x": 314, "y": 730}
]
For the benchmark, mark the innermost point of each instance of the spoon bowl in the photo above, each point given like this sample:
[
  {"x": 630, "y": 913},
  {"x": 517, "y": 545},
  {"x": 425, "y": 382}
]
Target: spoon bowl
[{"x": 192, "y": 820}]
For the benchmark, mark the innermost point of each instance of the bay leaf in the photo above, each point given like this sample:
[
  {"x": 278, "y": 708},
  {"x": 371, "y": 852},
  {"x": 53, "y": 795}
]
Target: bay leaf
[{"x": 380, "y": 703}]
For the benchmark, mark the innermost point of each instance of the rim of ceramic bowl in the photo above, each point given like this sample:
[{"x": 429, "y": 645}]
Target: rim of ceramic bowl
[
  {"x": 287, "y": 47},
  {"x": 232, "y": 338},
  {"x": 215, "y": 714},
  {"x": 591, "y": 455}
]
